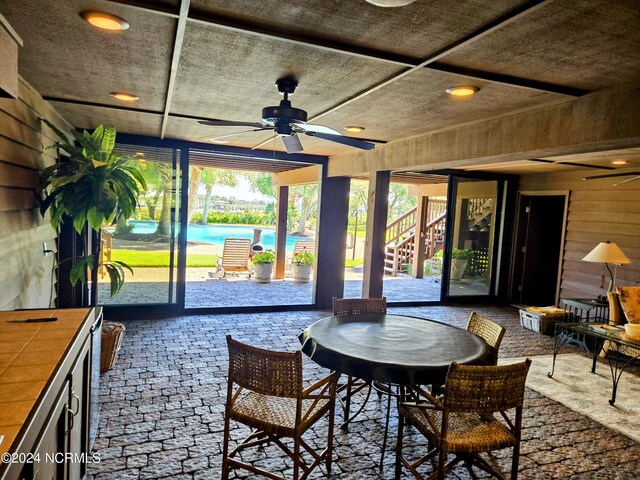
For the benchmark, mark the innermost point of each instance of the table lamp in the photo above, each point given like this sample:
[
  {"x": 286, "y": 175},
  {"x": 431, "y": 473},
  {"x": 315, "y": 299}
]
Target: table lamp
[{"x": 607, "y": 252}]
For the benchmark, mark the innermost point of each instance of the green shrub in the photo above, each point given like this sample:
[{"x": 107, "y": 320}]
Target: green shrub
[
  {"x": 268, "y": 256},
  {"x": 303, "y": 258}
]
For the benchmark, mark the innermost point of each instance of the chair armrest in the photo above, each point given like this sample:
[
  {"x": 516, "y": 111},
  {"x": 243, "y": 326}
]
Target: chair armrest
[{"x": 326, "y": 381}]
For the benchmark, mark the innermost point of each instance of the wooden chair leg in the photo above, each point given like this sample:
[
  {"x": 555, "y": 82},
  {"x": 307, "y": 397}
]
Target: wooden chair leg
[
  {"x": 296, "y": 458},
  {"x": 225, "y": 448},
  {"x": 515, "y": 461},
  {"x": 442, "y": 462}
]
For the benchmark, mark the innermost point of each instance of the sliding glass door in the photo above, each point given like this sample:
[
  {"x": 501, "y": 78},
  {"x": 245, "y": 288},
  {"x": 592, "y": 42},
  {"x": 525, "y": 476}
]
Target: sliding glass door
[
  {"x": 148, "y": 242},
  {"x": 472, "y": 253}
]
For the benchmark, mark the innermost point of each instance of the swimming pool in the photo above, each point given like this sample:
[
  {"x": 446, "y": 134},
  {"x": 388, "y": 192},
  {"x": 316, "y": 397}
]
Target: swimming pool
[{"x": 217, "y": 233}]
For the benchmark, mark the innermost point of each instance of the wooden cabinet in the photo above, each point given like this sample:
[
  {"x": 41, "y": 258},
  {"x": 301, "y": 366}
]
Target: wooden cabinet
[{"x": 53, "y": 442}]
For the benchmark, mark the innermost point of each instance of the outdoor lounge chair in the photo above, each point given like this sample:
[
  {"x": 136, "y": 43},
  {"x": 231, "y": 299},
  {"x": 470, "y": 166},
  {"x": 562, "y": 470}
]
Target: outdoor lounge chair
[{"x": 235, "y": 256}]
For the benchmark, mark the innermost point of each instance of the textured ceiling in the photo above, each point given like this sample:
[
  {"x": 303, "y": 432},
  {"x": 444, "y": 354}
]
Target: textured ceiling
[{"x": 383, "y": 69}]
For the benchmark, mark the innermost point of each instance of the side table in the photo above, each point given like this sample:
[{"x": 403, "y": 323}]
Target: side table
[{"x": 586, "y": 309}]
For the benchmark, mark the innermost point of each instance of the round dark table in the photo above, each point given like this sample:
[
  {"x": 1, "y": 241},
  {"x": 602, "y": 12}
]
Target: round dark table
[{"x": 390, "y": 348}]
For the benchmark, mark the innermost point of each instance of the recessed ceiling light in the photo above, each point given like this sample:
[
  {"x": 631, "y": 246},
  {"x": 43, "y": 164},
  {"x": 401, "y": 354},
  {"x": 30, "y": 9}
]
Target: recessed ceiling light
[
  {"x": 390, "y": 3},
  {"x": 105, "y": 21},
  {"x": 619, "y": 162},
  {"x": 462, "y": 90},
  {"x": 127, "y": 97},
  {"x": 217, "y": 140},
  {"x": 353, "y": 128}
]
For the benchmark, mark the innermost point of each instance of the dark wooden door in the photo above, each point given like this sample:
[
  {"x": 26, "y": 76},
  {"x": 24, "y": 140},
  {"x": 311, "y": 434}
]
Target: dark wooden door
[{"x": 537, "y": 249}]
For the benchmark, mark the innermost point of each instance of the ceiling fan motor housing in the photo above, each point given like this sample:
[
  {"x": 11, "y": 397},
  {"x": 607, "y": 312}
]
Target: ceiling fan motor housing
[{"x": 282, "y": 116}]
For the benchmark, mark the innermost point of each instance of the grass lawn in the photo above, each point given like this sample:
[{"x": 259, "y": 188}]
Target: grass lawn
[{"x": 135, "y": 258}]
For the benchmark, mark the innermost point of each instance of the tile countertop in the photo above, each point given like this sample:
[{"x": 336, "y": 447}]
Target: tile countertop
[{"x": 29, "y": 355}]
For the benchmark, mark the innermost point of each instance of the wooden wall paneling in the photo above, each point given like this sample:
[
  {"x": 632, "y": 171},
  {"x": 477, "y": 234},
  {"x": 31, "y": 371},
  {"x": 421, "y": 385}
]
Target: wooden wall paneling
[
  {"x": 598, "y": 212},
  {"x": 26, "y": 276},
  {"x": 12, "y": 176}
]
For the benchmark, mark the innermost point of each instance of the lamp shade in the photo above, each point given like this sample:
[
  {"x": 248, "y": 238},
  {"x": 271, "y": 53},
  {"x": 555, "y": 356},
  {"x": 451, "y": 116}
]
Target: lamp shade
[{"x": 607, "y": 252}]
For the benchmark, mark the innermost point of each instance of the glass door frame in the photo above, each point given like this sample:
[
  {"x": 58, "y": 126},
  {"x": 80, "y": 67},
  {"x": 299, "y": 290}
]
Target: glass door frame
[
  {"x": 501, "y": 248},
  {"x": 181, "y": 149}
]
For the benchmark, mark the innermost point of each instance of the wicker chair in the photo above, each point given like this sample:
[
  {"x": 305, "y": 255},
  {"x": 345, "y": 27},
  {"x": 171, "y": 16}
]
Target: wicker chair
[
  {"x": 355, "y": 306},
  {"x": 463, "y": 422},
  {"x": 490, "y": 332},
  {"x": 265, "y": 392}
]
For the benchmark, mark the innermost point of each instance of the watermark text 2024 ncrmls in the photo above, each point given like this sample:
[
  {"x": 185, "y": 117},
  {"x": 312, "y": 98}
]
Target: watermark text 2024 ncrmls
[
  {"x": 49, "y": 457},
  {"x": 71, "y": 457}
]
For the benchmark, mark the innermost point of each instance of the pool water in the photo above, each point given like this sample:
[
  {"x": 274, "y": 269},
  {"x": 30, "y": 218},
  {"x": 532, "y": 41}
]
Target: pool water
[{"x": 216, "y": 234}]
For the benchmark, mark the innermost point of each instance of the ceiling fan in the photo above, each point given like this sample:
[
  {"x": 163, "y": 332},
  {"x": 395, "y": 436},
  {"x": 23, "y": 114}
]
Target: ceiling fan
[
  {"x": 287, "y": 122},
  {"x": 610, "y": 175}
]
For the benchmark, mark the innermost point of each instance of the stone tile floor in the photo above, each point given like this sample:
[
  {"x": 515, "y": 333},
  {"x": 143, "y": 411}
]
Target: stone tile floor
[{"x": 162, "y": 406}]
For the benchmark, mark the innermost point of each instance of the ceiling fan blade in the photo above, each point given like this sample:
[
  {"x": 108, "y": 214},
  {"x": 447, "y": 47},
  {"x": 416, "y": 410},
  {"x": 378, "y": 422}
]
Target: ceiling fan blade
[
  {"x": 292, "y": 143},
  {"x": 233, "y": 134},
  {"x": 224, "y": 123},
  {"x": 610, "y": 175},
  {"x": 352, "y": 142},
  {"x": 627, "y": 181},
  {"x": 308, "y": 127}
]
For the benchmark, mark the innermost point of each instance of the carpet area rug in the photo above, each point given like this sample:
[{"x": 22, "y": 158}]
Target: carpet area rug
[{"x": 574, "y": 386}]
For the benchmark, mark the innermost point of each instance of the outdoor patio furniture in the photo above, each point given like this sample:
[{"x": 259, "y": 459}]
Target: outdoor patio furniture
[
  {"x": 490, "y": 331},
  {"x": 235, "y": 256},
  {"x": 265, "y": 392},
  {"x": 463, "y": 422},
  {"x": 355, "y": 306},
  {"x": 390, "y": 349}
]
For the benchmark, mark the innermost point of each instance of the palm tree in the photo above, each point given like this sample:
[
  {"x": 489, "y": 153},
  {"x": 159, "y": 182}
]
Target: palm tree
[{"x": 211, "y": 177}]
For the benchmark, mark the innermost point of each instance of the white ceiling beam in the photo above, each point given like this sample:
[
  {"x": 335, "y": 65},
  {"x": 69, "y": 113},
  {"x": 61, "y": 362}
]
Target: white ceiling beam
[{"x": 175, "y": 62}]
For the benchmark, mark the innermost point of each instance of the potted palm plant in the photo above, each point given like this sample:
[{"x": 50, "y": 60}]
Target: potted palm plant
[
  {"x": 263, "y": 265},
  {"x": 92, "y": 187},
  {"x": 301, "y": 266}
]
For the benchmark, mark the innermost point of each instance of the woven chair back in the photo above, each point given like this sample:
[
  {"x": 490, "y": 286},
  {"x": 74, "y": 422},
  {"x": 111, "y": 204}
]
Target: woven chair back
[
  {"x": 356, "y": 306},
  {"x": 263, "y": 371},
  {"x": 485, "y": 389},
  {"x": 488, "y": 329}
]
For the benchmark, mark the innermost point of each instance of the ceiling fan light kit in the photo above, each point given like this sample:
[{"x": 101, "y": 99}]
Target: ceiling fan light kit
[{"x": 287, "y": 121}]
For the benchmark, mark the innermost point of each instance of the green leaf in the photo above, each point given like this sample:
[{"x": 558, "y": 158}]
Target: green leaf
[
  {"x": 95, "y": 218},
  {"x": 97, "y": 135},
  {"x": 79, "y": 270},
  {"x": 108, "y": 140},
  {"x": 78, "y": 222}
]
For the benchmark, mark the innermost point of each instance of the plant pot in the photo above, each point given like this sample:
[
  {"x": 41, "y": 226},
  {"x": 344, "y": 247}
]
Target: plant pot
[
  {"x": 301, "y": 273},
  {"x": 457, "y": 268},
  {"x": 262, "y": 272}
]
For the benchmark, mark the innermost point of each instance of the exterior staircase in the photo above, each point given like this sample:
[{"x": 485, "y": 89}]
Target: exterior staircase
[{"x": 401, "y": 237}]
